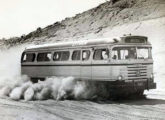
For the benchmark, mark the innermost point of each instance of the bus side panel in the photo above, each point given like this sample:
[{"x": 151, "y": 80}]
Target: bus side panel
[
  {"x": 86, "y": 73},
  {"x": 62, "y": 71},
  {"x": 30, "y": 71},
  {"x": 37, "y": 71},
  {"x": 74, "y": 71},
  {"x": 100, "y": 71},
  {"x": 48, "y": 71}
]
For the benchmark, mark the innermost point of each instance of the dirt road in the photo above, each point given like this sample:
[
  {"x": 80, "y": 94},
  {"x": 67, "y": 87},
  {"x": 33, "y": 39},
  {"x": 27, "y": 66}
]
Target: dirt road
[{"x": 152, "y": 109}]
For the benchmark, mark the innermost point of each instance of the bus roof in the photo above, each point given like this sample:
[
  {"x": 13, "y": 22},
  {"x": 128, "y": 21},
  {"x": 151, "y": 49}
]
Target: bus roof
[
  {"x": 115, "y": 40},
  {"x": 76, "y": 43}
]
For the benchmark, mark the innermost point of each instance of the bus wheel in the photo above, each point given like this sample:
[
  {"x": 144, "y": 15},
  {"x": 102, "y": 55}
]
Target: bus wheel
[
  {"x": 140, "y": 94},
  {"x": 34, "y": 80}
]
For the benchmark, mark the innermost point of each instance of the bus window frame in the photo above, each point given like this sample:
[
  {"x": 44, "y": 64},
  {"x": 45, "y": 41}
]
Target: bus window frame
[
  {"x": 127, "y": 45},
  {"x": 43, "y": 52},
  {"x": 54, "y": 56},
  {"x": 88, "y": 55},
  {"x": 61, "y": 52},
  {"x": 23, "y": 54},
  {"x": 149, "y": 52},
  {"x": 99, "y": 48},
  {"x": 71, "y": 55},
  {"x": 68, "y": 55}
]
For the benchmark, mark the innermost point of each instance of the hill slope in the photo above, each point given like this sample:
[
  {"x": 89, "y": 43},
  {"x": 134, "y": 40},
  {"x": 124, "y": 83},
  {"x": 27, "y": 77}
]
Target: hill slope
[{"x": 91, "y": 23}]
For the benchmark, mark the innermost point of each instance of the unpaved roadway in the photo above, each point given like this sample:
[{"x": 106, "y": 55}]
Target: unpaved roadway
[{"x": 143, "y": 109}]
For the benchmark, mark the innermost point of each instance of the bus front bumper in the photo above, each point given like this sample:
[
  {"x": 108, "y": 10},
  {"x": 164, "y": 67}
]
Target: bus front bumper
[{"x": 134, "y": 84}]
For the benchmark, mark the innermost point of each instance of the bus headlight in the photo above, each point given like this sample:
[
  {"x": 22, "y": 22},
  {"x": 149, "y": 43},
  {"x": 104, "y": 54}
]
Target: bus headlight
[{"x": 120, "y": 77}]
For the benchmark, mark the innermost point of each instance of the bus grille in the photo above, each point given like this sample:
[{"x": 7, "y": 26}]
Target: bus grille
[{"x": 136, "y": 72}]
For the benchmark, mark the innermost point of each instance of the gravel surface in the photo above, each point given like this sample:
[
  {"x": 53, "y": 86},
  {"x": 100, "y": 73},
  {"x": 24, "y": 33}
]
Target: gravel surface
[{"x": 143, "y": 109}]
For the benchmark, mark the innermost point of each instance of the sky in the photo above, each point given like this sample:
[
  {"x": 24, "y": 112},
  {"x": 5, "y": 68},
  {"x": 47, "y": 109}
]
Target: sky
[{"x": 18, "y": 17}]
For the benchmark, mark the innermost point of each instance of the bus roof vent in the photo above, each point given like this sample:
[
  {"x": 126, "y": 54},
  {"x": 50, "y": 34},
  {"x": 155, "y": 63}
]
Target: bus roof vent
[{"x": 134, "y": 39}]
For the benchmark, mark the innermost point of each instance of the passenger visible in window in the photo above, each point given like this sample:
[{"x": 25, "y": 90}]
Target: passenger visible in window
[
  {"x": 131, "y": 54},
  {"x": 57, "y": 56},
  {"x": 48, "y": 57},
  {"x": 28, "y": 57},
  {"x": 105, "y": 55},
  {"x": 101, "y": 54},
  {"x": 114, "y": 57},
  {"x": 43, "y": 57},
  {"x": 114, "y": 54},
  {"x": 85, "y": 55}
]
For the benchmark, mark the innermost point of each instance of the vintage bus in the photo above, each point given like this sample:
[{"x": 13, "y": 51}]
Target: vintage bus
[{"x": 124, "y": 65}]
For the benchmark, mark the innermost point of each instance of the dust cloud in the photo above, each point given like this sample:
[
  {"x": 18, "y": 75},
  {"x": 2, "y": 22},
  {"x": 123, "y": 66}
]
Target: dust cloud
[
  {"x": 57, "y": 88},
  {"x": 17, "y": 86}
]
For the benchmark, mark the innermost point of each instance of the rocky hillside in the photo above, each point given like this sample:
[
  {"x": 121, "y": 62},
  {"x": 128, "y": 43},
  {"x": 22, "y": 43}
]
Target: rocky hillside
[{"x": 92, "y": 23}]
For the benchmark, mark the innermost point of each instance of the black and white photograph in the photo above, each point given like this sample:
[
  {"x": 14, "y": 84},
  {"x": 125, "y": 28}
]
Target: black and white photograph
[{"x": 82, "y": 59}]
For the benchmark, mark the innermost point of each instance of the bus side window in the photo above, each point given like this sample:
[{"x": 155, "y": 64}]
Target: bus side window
[
  {"x": 101, "y": 54},
  {"x": 105, "y": 54},
  {"x": 115, "y": 54},
  {"x": 85, "y": 54},
  {"x": 42, "y": 57},
  {"x": 28, "y": 57},
  {"x": 76, "y": 55},
  {"x": 57, "y": 56},
  {"x": 65, "y": 55},
  {"x": 123, "y": 53},
  {"x": 143, "y": 53}
]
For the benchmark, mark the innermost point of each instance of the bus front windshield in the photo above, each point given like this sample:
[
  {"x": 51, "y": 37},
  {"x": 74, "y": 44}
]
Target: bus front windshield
[{"x": 124, "y": 53}]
